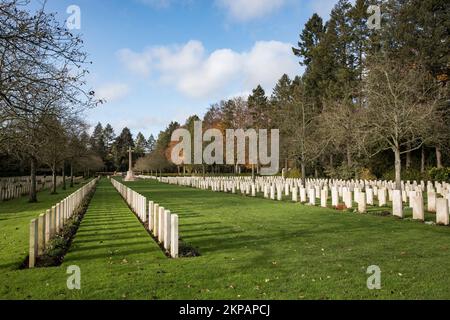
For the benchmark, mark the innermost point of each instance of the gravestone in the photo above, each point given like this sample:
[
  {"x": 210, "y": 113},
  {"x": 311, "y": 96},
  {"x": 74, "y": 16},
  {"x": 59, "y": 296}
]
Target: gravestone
[
  {"x": 174, "y": 236},
  {"x": 362, "y": 206},
  {"x": 302, "y": 195},
  {"x": 442, "y": 214},
  {"x": 348, "y": 201},
  {"x": 155, "y": 219},
  {"x": 431, "y": 201},
  {"x": 397, "y": 203},
  {"x": 369, "y": 196},
  {"x": 417, "y": 205},
  {"x": 161, "y": 224},
  {"x": 33, "y": 250},
  {"x": 294, "y": 194},
  {"x": 334, "y": 197},
  {"x": 150, "y": 215},
  {"x": 382, "y": 197},
  {"x": 323, "y": 198},
  {"x": 167, "y": 229},
  {"x": 41, "y": 234},
  {"x": 312, "y": 196}
]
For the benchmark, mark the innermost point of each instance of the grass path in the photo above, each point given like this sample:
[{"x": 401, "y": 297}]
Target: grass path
[{"x": 251, "y": 249}]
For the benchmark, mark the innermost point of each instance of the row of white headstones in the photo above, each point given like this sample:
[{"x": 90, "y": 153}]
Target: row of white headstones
[
  {"x": 52, "y": 222},
  {"x": 16, "y": 187},
  {"x": 160, "y": 222},
  {"x": 361, "y": 192}
]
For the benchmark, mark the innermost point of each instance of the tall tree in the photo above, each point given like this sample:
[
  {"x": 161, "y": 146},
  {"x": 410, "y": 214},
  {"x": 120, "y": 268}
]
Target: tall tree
[
  {"x": 151, "y": 143},
  {"x": 140, "y": 145},
  {"x": 282, "y": 103},
  {"x": 97, "y": 141},
  {"x": 402, "y": 102},
  {"x": 120, "y": 149}
]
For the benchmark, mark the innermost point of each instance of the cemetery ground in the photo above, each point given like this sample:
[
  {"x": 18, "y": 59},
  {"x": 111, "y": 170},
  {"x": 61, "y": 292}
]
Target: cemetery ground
[{"x": 251, "y": 248}]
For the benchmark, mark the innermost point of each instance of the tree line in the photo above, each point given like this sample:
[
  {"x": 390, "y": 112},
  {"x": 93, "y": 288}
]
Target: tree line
[
  {"x": 43, "y": 93},
  {"x": 371, "y": 103}
]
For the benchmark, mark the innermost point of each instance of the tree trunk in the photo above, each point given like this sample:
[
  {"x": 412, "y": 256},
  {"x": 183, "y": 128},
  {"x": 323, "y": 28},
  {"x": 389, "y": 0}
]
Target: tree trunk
[
  {"x": 408, "y": 159},
  {"x": 398, "y": 170},
  {"x": 349, "y": 157},
  {"x": 64, "y": 176},
  {"x": 316, "y": 173},
  {"x": 331, "y": 161},
  {"x": 422, "y": 161},
  {"x": 54, "y": 179},
  {"x": 71, "y": 174},
  {"x": 439, "y": 158},
  {"x": 33, "y": 193},
  {"x": 303, "y": 173}
]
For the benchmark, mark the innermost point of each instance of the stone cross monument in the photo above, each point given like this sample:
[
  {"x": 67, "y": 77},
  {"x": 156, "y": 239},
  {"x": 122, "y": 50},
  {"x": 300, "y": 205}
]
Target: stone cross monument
[{"x": 130, "y": 175}]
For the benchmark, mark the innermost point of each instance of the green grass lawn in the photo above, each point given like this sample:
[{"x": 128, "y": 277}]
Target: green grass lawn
[
  {"x": 251, "y": 249},
  {"x": 15, "y": 217}
]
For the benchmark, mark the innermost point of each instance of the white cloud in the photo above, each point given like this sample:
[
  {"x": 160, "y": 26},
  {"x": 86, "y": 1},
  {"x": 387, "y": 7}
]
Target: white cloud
[
  {"x": 112, "y": 91},
  {"x": 138, "y": 63},
  {"x": 267, "y": 62},
  {"x": 196, "y": 74},
  {"x": 245, "y": 10}
]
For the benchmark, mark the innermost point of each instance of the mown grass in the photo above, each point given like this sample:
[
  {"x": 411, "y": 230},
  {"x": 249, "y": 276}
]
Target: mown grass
[
  {"x": 15, "y": 217},
  {"x": 251, "y": 249}
]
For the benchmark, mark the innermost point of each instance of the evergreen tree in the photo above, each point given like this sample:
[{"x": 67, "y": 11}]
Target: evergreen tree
[
  {"x": 97, "y": 141},
  {"x": 109, "y": 136},
  {"x": 151, "y": 144},
  {"x": 140, "y": 145},
  {"x": 120, "y": 149},
  {"x": 282, "y": 103},
  {"x": 309, "y": 39},
  {"x": 259, "y": 109}
]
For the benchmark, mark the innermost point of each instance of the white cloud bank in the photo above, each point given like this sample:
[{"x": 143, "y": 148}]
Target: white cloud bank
[
  {"x": 197, "y": 74},
  {"x": 245, "y": 10},
  {"x": 112, "y": 91}
]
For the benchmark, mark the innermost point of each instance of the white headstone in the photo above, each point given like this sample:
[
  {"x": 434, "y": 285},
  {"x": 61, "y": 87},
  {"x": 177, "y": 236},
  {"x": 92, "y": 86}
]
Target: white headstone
[
  {"x": 442, "y": 214},
  {"x": 417, "y": 204},
  {"x": 362, "y": 207},
  {"x": 397, "y": 203}
]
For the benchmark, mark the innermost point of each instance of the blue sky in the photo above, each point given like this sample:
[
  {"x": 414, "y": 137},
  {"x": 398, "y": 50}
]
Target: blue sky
[{"x": 156, "y": 61}]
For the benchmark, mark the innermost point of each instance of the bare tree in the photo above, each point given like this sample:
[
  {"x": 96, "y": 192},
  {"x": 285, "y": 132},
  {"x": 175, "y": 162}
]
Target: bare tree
[
  {"x": 302, "y": 123},
  {"x": 340, "y": 124},
  {"x": 401, "y": 106},
  {"x": 42, "y": 75}
]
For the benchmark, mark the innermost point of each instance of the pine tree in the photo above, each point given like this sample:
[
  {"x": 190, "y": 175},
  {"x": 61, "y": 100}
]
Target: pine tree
[
  {"x": 259, "y": 109},
  {"x": 109, "y": 136},
  {"x": 97, "y": 141},
  {"x": 140, "y": 145},
  {"x": 281, "y": 101},
  {"x": 309, "y": 39},
  {"x": 151, "y": 143},
  {"x": 120, "y": 149}
]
